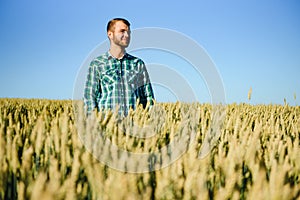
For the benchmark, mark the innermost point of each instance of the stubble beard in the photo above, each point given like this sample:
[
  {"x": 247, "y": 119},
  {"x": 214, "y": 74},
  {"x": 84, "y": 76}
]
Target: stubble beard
[{"x": 121, "y": 42}]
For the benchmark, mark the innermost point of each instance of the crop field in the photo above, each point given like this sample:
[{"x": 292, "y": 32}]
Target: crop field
[{"x": 47, "y": 152}]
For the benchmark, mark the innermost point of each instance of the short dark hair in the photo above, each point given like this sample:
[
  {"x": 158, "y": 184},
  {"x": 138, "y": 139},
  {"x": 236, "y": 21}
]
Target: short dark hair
[{"x": 111, "y": 23}]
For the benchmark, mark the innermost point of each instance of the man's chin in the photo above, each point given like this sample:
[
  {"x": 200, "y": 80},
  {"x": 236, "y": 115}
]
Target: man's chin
[{"x": 125, "y": 45}]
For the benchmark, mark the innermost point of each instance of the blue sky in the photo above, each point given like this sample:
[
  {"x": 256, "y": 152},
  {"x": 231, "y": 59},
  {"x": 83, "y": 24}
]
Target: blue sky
[{"x": 252, "y": 43}]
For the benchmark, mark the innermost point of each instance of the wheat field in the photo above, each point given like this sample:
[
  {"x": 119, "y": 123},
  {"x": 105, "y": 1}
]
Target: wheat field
[{"x": 43, "y": 156}]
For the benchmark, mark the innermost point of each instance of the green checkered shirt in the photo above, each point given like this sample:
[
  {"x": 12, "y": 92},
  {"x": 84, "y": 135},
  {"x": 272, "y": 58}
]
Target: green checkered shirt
[{"x": 112, "y": 82}]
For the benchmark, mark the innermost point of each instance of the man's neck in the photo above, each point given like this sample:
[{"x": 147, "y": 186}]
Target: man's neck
[{"x": 117, "y": 52}]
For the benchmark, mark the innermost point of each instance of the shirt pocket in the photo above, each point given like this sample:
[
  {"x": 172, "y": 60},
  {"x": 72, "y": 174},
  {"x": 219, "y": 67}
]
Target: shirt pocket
[
  {"x": 132, "y": 79},
  {"x": 110, "y": 76},
  {"x": 108, "y": 79}
]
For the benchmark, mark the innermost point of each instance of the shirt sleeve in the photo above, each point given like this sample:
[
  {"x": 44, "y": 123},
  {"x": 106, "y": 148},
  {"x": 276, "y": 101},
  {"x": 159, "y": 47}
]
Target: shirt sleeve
[
  {"x": 92, "y": 89},
  {"x": 145, "y": 91}
]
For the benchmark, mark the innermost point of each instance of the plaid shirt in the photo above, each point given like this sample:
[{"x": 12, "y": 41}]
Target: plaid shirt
[{"x": 112, "y": 82}]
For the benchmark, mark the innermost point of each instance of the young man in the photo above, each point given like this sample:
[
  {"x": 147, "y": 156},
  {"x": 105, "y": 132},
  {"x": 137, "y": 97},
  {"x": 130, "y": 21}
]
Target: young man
[{"x": 116, "y": 78}]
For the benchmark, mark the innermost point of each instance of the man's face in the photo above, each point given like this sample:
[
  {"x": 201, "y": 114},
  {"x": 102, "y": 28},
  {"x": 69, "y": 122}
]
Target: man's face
[{"x": 120, "y": 35}]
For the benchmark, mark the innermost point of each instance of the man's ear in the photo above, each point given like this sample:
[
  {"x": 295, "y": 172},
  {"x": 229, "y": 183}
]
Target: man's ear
[{"x": 109, "y": 34}]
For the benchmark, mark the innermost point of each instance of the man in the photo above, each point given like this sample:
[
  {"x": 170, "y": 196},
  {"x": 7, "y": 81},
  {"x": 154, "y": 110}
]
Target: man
[{"x": 117, "y": 79}]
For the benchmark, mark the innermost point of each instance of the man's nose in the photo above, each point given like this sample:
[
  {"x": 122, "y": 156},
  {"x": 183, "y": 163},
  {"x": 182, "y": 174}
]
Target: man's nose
[{"x": 126, "y": 33}]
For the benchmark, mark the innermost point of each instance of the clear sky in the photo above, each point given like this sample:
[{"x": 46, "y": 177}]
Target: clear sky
[{"x": 252, "y": 43}]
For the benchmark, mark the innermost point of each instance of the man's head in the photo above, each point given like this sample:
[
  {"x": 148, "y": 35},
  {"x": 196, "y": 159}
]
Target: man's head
[{"x": 118, "y": 32}]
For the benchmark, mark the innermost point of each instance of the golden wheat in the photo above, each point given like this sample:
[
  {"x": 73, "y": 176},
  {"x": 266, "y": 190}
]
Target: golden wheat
[{"x": 42, "y": 155}]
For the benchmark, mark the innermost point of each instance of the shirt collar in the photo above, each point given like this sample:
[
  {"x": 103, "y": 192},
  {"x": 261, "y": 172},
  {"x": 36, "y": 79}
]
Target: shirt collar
[{"x": 109, "y": 56}]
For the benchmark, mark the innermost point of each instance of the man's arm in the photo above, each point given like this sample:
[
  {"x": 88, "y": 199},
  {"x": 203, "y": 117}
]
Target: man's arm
[
  {"x": 145, "y": 87},
  {"x": 92, "y": 88}
]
